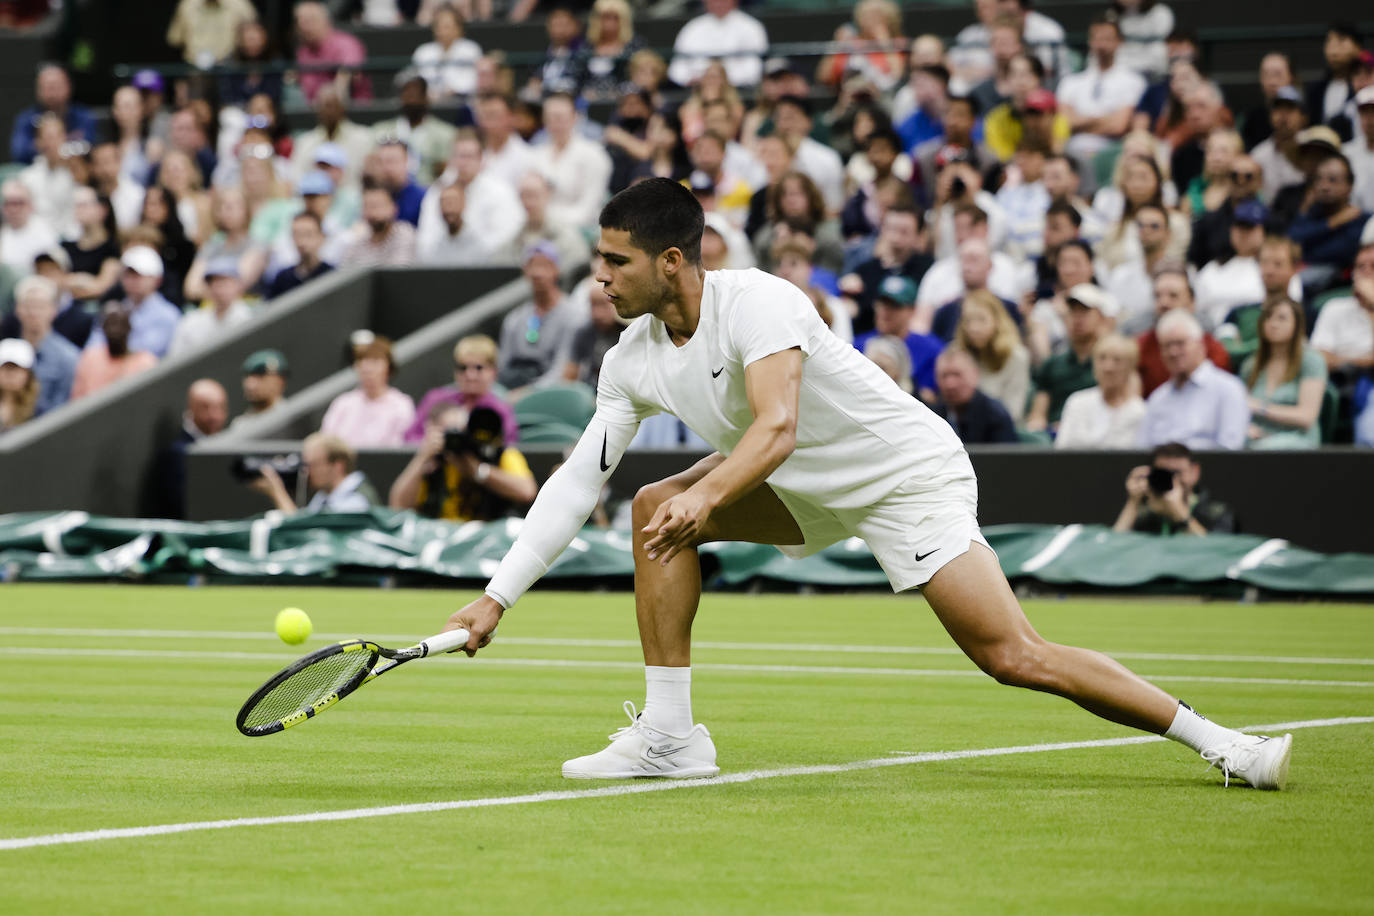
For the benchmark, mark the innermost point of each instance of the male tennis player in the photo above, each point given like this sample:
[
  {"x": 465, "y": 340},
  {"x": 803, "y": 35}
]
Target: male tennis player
[{"x": 813, "y": 444}]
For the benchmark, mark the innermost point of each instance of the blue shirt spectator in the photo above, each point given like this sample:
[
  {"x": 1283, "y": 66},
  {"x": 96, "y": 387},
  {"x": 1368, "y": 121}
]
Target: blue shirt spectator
[
  {"x": 55, "y": 357},
  {"x": 893, "y": 306},
  {"x": 1201, "y": 406},
  {"x": 54, "y": 92},
  {"x": 152, "y": 319},
  {"x": 1329, "y": 230}
]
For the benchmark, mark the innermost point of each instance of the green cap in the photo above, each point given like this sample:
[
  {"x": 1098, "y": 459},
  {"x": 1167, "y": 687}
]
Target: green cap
[
  {"x": 265, "y": 361},
  {"x": 898, "y": 290}
]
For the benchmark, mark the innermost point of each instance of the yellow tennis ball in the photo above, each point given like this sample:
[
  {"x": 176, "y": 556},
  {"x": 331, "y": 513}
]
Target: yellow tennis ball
[{"x": 293, "y": 625}]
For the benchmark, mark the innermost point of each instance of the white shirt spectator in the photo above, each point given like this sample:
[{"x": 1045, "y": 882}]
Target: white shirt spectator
[
  {"x": 971, "y": 61},
  {"x": 738, "y": 37},
  {"x": 1143, "y": 37},
  {"x": 1133, "y": 288},
  {"x": 449, "y": 72},
  {"x": 492, "y": 209},
  {"x": 1024, "y": 206},
  {"x": 355, "y": 140},
  {"x": 580, "y": 174},
  {"x": 944, "y": 282},
  {"x": 1362, "y": 163},
  {"x": 18, "y": 247},
  {"x": 1221, "y": 286},
  {"x": 511, "y": 162},
  {"x": 744, "y": 165},
  {"x": 51, "y": 190},
  {"x": 127, "y": 201},
  {"x": 438, "y": 247},
  {"x": 1344, "y": 328},
  {"x": 1210, "y": 410},
  {"x": 824, "y": 166},
  {"x": 1096, "y": 93},
  {"x": 944, "y": 224},
  {"x": 1279, "y": 173},
  {"x": 204, "y": 325},
  {"x": 1089, "y": 422}
]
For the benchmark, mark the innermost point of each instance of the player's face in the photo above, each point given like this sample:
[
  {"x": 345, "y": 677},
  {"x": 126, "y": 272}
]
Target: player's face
[{"x": 632, "y": 280}]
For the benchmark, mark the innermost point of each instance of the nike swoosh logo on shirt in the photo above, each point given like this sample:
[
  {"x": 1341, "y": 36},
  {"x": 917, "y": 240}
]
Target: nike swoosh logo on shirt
[
  {"x": 922, "y": 556},
  {"x": 604, "y": 466},
  {"x": 717, "y": 373}
]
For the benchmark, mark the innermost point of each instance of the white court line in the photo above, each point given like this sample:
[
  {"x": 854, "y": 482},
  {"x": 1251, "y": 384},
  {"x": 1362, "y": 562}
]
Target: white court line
[
  {"x": 632, "y": 788},
  {"x": 613, "y": 664},
  {"x": 569, "y": 642}
]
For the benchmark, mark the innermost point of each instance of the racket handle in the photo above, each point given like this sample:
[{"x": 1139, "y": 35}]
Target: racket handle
[{"x": 445, "y": 642}]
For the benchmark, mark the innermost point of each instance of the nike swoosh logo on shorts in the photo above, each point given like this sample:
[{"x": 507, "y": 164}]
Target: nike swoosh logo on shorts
[
  {"x": 666, "y": 751},
  {"x": 922, "y": 556},
  {"x": 604, "y": 466},
  {"x": 717, "y": 373}
]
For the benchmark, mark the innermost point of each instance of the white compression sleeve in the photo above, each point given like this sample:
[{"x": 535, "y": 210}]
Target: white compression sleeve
[{"x": 561, "y": 508}]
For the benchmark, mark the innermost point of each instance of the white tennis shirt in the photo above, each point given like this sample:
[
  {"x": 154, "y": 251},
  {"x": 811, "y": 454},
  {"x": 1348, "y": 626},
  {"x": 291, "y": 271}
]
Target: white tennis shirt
[{"x": 859, "y": 436}]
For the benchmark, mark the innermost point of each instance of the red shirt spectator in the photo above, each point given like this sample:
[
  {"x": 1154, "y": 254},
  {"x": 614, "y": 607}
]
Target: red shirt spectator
[{"x": 321, "y": 43}]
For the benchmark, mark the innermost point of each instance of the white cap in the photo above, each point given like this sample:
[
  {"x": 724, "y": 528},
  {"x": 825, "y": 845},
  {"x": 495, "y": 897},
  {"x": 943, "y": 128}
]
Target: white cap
[
  {"x": 143, "y": 260},
  {"x": 1364, "y": 97},
  {"x": 16, "y": 350},
  {"x": 1094, "y": 297}
]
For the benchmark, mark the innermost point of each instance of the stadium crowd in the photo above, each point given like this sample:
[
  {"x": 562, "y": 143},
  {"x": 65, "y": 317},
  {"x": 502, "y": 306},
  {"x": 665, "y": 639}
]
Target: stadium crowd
[{"x": 1098, "y": 253}]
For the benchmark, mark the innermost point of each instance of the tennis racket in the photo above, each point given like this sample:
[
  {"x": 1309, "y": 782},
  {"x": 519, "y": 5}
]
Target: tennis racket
[{"x": 315, "y": 682}]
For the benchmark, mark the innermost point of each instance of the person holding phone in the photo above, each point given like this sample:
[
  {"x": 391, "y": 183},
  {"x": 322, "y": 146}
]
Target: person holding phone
[{"x": 1163, "y": 497}]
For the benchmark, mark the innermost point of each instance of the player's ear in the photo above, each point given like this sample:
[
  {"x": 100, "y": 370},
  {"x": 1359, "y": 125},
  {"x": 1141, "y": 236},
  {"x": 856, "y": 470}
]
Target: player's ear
[{"x": 672, "y": 260}]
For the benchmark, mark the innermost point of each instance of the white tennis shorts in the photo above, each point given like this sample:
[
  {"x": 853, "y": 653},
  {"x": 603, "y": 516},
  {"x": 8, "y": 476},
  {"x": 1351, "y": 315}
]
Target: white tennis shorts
[{"x": 913, "y": 531}]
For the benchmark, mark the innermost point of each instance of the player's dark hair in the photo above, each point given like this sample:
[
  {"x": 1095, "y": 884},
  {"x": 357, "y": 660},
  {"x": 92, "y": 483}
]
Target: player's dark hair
[
  {"x": 1171, "y": 450},
  {"x": 1063, "y": 208},
  {"x": 659, "y": 214}
]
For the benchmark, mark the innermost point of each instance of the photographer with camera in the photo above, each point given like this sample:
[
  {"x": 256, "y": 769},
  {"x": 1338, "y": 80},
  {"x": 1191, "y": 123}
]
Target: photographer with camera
[
  {"x": 330, "y": 466},
  {"x": 463, "y": 469},
  {"x": 1163, "y": 497}
]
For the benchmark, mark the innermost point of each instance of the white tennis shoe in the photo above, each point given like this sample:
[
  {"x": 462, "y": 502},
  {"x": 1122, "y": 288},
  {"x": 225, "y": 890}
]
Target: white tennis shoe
[
  {"x": 639, "y": 751},
  {"x": 1262, "y": 762}
]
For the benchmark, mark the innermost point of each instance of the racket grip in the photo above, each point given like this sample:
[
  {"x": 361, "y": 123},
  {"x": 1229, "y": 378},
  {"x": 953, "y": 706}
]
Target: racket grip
[{"x": 445, "y": 642}]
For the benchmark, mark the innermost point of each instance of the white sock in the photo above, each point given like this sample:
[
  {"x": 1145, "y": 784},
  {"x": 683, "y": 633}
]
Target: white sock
[
  {"x": 1198, "y": 732},
  {"x": 668, "y": 699}
]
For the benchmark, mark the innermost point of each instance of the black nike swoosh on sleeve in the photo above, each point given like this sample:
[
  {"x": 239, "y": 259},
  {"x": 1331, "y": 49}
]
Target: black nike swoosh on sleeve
[{"x": 604, "y": 466}]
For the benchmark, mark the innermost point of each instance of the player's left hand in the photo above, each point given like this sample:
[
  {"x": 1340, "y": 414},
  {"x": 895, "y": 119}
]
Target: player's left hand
[{"x": 675, "y": 525}]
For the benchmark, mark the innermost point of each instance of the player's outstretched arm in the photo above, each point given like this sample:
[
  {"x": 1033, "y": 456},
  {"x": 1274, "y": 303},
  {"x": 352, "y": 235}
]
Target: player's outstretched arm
[{"x": 773, "y": 385}]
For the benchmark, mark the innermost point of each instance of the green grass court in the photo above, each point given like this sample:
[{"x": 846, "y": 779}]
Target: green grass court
[{"x": 134, "y": 728}]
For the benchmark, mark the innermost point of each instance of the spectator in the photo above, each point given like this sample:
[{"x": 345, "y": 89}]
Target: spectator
[
  {"x": 874, "y": 38},
  {"x": 19, "y": 385},
  {"x": 1036, "y": 277},
  {"x": 1200, "y": 405},
  {"x": 889, "y": 355},
  {"x": 55, "y": 357},
  {"x": 330, "y": 464},
  {"x": 929, "y": 87},
  {"x": 1060, "y": 177},
  {"x": 152, "y": 319},
  {"x": 1109, "y": 414},
  {"x": 321, "y": 43},
  {"x": 578, "y": 168},
  {"x": 505, "y": 155},
  {"x": 944, "y": 282},
  {"x": 205, "y": 30},
  {"x": 1360, "y": 151},
  {"x": 892, "y": 308},
  {"x": 1131, "y": 282},
  {"x": 535, "y": 336},
  {"x": 150, "y": 88},
  {"x": 264, "y": 382},
  {"x": 975, "y": 267},
  {"x": 1287, "y": 381},
  {"x": 23, "y": 234},
  {"x": 1278, "y": 266},
  {"x": 181, "y": 178},
  {"x": 602, "y": 65},
  {"x": 125, "y": 194},
  {"x": 1145, "y": 28},
  {"x": 977, "y": 418},
  {"x": 418, "y": 133},
  {"x": 449, "y": 62},
  {"x": 159, "y": 225},
  {"x": 723, "y": 246},
  {"x": 1162, "y": 110},
  {"x": 374, "y": 414},
  {"x": 1090, "y": 315},
  {"x": 1030, "y": 109},
  {"x": 1275, "y": 73},
  {"x": 591, "y": 342},
  {"x": 1099, "y": 101},
  {"x": 186, "y": 134},
  {"x": 1326, "y": 97},
  {"x": 987, "y": 333},
  {"x": 463, "y": 469},
  {"x": 1315, "y": 146},
  {"x": 474, "y": 375},
  {"x": 535, "y": 193},
  {"x": 795, "y": 204},
  {"x": 394, "y": 175},
  {"x": 1024, "y": 200},
  {"x": 956, "y": 144},
  {"x": 348, "y": 142},
  {"x": 1329, "y": 228},
  {"x": 792, "y": 119},
  {"x": 307, "y": 236},
  {"x": 958, "y": 185},
  {"x": 108, "y": 358},
  {"x": 207, "y": 410},
  {"x": 231, "y": 240},
  {"x": 1278, "y": 155},
  {"x": 1183, "y": 508},
  {"x": 455, "y": 244},
  {"x": 1204, "y": 113},
  {"x": 732, "y": 191},
  {"x": 883, "y": 160},
  {"x": 53, "y": 94},
  {"x": 1210, "y": 186},
  {"x": 795, "y": 263},
  {"x": 48, "y": 179},
  {"x": 1047, "y": 323},
  {"x": 1038, "y": 31},
  {"x": 1211, "y": 239},
  {"x": 1141, "y": 184},
  {"x": 899, "y": 251},
  {"x": 253, "y": 54},
  {"x": 1004, "y": 41},
  {"x": 1344, "y": 333},
  {"x": 381, "y": 240},
  {"x": 554, "y": 74},
  {"x": 1224, "y": 285},
  {"x": 226, "y": 311},
  {"x": 492, "y": 208},
  {"x": 722, "y": 31},
  {"x": 94, "y": 253},
  {"x": 1172, "y": 291}
]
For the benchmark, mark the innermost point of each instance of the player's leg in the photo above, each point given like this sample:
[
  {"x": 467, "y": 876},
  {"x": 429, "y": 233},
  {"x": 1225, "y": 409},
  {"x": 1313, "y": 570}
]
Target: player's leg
[{"x": 974, "y": 602}]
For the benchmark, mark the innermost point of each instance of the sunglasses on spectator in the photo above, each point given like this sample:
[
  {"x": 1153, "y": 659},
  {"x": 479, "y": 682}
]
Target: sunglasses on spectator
[
  {"x": 1244, "y": 176},
  {"x": 1150, "y": 224},
  {"x": 471, "y": 367}
]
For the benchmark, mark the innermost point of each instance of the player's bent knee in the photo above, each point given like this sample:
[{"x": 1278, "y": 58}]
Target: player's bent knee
[
  {"x": 1018, "y": 663},
  {"x": 649, "y": 497}
]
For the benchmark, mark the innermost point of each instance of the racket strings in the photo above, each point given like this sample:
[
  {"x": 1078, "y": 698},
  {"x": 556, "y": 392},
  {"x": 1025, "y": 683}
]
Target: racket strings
[{"x": 308, "y": 686}]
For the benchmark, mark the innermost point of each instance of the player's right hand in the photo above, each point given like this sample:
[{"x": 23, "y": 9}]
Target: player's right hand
[{"x": 480, "y": 619}]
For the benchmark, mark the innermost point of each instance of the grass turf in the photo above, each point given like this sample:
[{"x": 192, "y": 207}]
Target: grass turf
[{"x": 123, "y": 740}]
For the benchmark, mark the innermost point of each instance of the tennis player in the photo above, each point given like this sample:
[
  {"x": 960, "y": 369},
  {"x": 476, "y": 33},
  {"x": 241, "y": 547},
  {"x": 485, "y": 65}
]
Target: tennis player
[{"x": 814, "y": 444}]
